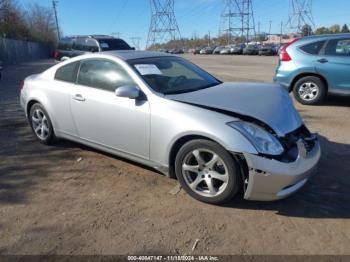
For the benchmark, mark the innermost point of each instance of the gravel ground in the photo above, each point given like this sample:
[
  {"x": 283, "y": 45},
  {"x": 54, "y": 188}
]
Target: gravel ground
[{"x": 70, "y": 199}]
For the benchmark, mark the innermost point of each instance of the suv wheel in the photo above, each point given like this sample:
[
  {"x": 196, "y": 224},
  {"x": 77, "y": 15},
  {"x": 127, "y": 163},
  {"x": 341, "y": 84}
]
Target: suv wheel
[
  {"x": 207, "y": 172},
  {"x": 41, "y": 124},
  {"x": 310, "y": 90}
]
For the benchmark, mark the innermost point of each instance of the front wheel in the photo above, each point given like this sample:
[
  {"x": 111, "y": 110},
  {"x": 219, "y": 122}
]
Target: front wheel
[
  {"x": 207, "y": 172},
  {"x": 310, "y": 90}
]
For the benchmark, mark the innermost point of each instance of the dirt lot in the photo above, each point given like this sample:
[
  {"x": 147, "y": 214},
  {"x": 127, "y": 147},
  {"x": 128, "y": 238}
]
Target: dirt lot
[{"x": 51, "y": 203}]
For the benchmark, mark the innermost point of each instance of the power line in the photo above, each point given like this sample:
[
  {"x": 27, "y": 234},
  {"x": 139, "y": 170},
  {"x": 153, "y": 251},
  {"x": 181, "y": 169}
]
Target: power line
[
  {"x": 163, "y": 27},
  {"x": 237, "y": 19},
  {"x": 300, "y": 14},
  {"x": 136, "y": 42}
]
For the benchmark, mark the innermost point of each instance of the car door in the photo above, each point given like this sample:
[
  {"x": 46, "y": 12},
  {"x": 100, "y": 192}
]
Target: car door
[
  {"x": 103, "y": 118},
  {"x": 334, "y": 64},
  {"x": 60, "y": 92}
]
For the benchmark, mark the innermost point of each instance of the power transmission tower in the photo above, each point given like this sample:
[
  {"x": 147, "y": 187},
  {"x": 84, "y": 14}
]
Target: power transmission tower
[
  {"x": 54, "y": 5},
  {"x": 300, "y": 14},
  {"x": 237, "y": 19},
  {"x": 164, "y": 27},
  {"x": 136, "y": 42}
]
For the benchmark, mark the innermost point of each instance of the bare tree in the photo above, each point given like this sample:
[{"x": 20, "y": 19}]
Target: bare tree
[{"x": 41, "y": 24}]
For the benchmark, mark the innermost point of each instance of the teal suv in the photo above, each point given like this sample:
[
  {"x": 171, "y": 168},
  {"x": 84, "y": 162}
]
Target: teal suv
[{"x": 315, "y": 66}]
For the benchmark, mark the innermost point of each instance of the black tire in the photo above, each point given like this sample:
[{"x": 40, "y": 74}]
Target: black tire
[
  {"x": 49, "y": 134},
  {"x": 314, "y": 81},
  {"x": 234, "y": 181}
]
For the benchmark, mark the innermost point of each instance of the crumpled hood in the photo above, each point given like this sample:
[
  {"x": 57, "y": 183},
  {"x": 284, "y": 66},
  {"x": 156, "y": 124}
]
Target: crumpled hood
[{"x": 268, "y": 103}]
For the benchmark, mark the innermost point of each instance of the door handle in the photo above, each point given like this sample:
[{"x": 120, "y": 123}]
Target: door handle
[
  {"x": 322, "y": 61},
  {"x": 79, "y": 98}
]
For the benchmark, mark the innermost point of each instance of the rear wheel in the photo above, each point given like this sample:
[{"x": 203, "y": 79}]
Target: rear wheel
[
  {"x": 207, "y": 172},
  {"x": 41, "y": 124},
  {"x": 310, "y": 90}
]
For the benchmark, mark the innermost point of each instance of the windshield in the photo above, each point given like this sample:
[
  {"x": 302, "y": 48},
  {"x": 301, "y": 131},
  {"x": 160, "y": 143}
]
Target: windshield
[
  {"x": 173, "y": 75},
  {"x": 113, "y": 44}
]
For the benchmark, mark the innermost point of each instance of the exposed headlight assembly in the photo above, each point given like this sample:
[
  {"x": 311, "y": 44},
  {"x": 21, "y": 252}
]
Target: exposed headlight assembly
[{"x": 264, "y": 142}]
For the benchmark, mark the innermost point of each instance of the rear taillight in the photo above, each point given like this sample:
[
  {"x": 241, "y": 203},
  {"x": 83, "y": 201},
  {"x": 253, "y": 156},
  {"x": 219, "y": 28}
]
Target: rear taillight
[
  {"x": 55, "y": 55},
  {"x": 284, "y": 56}
]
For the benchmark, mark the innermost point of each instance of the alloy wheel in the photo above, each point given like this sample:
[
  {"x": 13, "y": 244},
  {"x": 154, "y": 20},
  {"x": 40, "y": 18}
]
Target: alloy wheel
[
  {"x": 205, "y": 172},
  {"x": 308, "y": 91},
  {"x": 40, "y": 124}
]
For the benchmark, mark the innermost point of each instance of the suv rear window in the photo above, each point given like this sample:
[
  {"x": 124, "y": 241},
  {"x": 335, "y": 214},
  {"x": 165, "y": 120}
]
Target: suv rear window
[
  {"x": 113, "y": 44},
  {"x": 313, "y": 48}
]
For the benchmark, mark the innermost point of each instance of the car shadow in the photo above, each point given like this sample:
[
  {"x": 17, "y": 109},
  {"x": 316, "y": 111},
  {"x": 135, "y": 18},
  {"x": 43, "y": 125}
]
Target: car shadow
[
  {"x": 326, "y": 195},
  {"x": 337, "y": 100}
]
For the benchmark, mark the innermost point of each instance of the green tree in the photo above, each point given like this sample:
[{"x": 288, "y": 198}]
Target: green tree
[
  {"x": 306, "y": 30},
  {"x": 335, "y": 29},
  {"x": 345, "y": 29},
  {"x": 322, "y": 31}
]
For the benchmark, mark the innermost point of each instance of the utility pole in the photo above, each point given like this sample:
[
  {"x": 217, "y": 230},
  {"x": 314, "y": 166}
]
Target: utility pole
[
  {"x": 209, "y": 40},
  {"x": 163, "y": 27},
  {"x": 136, "y": 42},
  {"x": 54, "y": 5},
  {"x": 300, "y": 14},
  {"x": 270, "y": 22},
  {"x": 281, "y": 33},
  {"x": 237, "y": 19}
]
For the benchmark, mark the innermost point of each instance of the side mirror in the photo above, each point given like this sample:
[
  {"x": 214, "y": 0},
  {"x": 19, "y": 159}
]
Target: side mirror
[{"x": 132, "y": 92}]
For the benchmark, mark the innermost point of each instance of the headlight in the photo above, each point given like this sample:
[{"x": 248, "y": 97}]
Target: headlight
[{"x": 264, "y": 142}]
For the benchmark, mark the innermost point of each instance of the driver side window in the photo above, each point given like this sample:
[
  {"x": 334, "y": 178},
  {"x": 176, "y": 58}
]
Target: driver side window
[{"x": 103, "y": 74}]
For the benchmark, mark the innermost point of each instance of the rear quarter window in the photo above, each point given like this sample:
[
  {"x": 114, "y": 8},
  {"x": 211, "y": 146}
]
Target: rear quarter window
[
  {"x": 67, "y": 73},
  {"x": 313, "y": 48}
]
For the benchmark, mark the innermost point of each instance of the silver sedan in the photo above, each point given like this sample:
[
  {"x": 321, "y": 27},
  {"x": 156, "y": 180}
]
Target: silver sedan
[{"x": 162, "y": 111}]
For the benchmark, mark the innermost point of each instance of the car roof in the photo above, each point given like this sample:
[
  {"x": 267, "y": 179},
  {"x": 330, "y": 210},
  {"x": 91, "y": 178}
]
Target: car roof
[
  {"x": 325, "y": 37},
  {"x": 131, "y": 54}
]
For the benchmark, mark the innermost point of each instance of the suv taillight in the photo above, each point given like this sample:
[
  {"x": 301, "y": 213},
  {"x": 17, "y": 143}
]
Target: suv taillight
[
  {"x": 22, "y": 85},
  {"x": 284, "y": 56},
  {"x": 55, "y": 55}
]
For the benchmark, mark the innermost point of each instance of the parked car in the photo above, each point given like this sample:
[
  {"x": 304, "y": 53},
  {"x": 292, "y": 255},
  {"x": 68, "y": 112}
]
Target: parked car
[
  {"x": 218, "y": 49},
  {"x": 69, "y": 47},
  {"x": 226, "y": 50},
  {"x": 207, "y": 50},
  {"x": 176, "y": 51},
  {"x": 267, "y": 50},
  {"x": 251, "y": 50},
  {"x": 238, "y": 49},
  {"x": 315, "y": 66},
  {"x": 165, "y": 112},
  {"x": 197, "y": 50}
]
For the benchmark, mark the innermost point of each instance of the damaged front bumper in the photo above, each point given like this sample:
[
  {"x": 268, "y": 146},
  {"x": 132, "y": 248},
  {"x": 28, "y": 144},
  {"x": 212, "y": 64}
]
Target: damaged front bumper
[{"x": 270, "y": 179}]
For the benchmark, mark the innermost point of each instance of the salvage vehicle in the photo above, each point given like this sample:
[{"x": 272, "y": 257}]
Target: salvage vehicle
[
  {"x": 218, "y": 50},
  {"x": 207, "y": 50},
  {"x": 238, "y": 49},
  {"x": 251, "y": 49},
  {"x": 313, "y": 67},
  {"x": 267, "y": 50},
  {"x": 162, "y": 111}
]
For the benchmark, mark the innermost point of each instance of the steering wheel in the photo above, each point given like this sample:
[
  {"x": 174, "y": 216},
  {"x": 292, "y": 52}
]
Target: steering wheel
[{"x": 176, "y": 81}]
